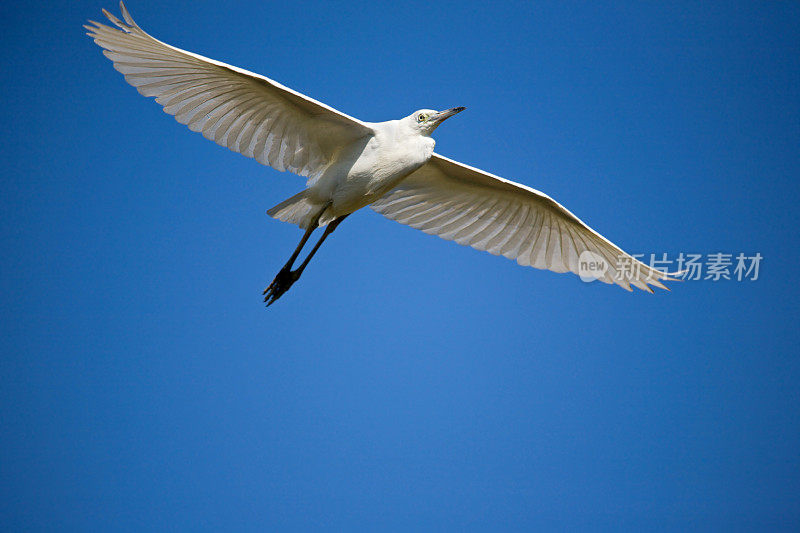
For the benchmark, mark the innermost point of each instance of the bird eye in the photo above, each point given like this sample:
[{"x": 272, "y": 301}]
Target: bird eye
[{"x": 422, "y": 117}]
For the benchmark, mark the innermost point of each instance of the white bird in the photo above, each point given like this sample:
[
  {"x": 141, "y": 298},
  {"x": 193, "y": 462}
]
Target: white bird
[{"x": 350, "y": 164}]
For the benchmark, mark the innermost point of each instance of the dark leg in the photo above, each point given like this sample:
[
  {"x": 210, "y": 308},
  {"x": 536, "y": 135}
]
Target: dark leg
[
  {"x": 286, "y": 277},
  {"x": 328, "y": 230},
  {"x": 303, "y": 242}
]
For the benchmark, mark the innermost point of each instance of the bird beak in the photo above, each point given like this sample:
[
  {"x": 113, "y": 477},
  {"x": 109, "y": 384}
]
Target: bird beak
[{"x": 441, "y": 116}]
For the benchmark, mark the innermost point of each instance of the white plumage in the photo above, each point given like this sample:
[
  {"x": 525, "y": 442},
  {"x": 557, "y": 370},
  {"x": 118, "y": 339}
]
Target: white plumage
[{"x": 350, "y": 164}]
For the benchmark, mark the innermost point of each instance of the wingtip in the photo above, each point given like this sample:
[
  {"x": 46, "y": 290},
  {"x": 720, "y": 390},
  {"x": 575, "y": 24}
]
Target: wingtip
[
  {"x": 126, "y": 15},
  {"x": 655, "y": 282},
  {"x": 115, "y": 21}
]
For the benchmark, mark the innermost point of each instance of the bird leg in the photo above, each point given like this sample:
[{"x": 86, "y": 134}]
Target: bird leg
[
  {"x": 286, "y": 277},
  {"x": 328, "y": 230}
]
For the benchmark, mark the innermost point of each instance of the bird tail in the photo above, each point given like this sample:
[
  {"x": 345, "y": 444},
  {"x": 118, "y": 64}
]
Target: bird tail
[{"x": 300, "y": 209}]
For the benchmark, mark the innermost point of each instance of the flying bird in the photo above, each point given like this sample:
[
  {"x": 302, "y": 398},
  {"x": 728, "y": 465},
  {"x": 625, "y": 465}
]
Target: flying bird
[{"x": 349, "y": 164}]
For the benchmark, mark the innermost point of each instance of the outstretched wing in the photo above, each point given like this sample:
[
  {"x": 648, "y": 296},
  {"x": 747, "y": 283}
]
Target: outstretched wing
[
  {"x": 245, "y": 112},
  {"x": 474, "y": 208}
]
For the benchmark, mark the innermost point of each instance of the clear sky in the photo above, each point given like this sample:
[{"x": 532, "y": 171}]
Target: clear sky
[{"x": 405, "y": 382}]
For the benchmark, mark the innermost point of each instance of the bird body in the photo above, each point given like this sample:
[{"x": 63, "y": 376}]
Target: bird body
[
  {"x": 369, "y": 167},
  {"x": 350, "y": 164}
]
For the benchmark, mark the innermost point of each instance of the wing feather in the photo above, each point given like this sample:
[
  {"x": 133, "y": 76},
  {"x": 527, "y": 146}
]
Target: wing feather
[
  {"x": 474, "y": 208},
  {"x": 235, "y": 108}
]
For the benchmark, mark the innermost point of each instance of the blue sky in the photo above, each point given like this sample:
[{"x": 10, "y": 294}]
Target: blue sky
[{"x": 405, "y": 382}]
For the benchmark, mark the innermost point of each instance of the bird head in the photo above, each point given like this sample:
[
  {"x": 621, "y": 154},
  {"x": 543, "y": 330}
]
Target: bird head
[{"x": 425, "y": 121}]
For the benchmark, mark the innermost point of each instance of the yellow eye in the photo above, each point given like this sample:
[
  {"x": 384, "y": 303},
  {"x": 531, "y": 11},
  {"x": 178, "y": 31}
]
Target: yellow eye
[{"x": 422, "y": 117}]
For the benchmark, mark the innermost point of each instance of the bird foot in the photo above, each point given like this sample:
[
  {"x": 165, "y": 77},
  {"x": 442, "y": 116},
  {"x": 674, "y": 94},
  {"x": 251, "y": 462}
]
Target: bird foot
[{"x": 282, "y": 283}]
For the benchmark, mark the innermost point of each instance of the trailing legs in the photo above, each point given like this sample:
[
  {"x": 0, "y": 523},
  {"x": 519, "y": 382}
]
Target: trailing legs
[{"x": 286, "y": 277}]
